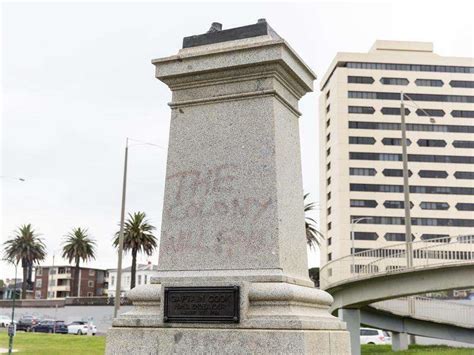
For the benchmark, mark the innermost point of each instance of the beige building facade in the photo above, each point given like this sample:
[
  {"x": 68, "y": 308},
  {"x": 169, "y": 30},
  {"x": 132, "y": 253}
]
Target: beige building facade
[{"x": 361, "y": 154}]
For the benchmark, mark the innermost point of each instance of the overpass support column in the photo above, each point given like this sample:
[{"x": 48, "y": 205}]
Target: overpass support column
[
  {"x": 352, "y": 318},
  {"x": 399, "y": 341}
]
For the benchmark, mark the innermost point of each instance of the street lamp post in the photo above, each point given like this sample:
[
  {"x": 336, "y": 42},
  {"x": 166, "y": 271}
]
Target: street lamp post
[
  {"x": 353, "y": 223},
  {"x": 406, "y": 188},
  {"x": 120, "y": 246},
  {"x": 12, "y": 327}
]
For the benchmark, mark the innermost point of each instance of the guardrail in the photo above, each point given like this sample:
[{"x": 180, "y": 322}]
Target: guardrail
[
  {"x": 391, "y": 259},
  {"x": 430, "y": 309}
]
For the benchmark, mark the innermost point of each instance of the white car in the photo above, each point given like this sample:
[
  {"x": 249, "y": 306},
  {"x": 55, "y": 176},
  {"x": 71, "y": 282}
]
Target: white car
[
  {"x": 374, "y": 336},
  {"x": 5, "y": 321},
  {"x": 80, "y": 328}
]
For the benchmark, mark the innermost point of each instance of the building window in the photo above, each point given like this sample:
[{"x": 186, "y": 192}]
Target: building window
[
  {"x": 465, "y": 206},
  {"x": 145, "y": 279},
  {"x": 363, "y": 203},
  {"x": 434, "y": 206},
  {"x": 430, "y": 112},
  {"x": 394, "y": 81},
  {"x": 139, "y": 279},
  {"x": 329, "y": 256},
  {"x": 90, "y": 294},
  {"x": 328, "y": 166},
  {"x": 462, "y": 84},
  {"x": 38, "y": 295},
  {"x": 328, "y": 123},
  {"x": 396, "y": 204},
  {"x": 441, "y": 222},
  {"x": 328, "y": 151},
  {"x": 415, "y": 97},
  {"x": 112, "y": 280},
  {"x": 443, "y": 238},
  {"x": 454, "y": 159},
  {"x": 329, "y": 241},
  {"x": 431, "y": 143},
  {"x": 362, "y": 171},
  {"x": 394, "y": 141},
  {"x": 328, "y": 94},
  {"x": 368, "y": 110},
  {"x": 360, "y": 79},
  {"x": 428, "y": 82},
  {"x": 39, "y": 282},
  {"x": 463, "y": 144},
  {"x": 395, "y": 172},
  {"x": 90, "y": 283},
  {"x": 420, "y": 127},
  {"x": 328, "y": 137},
  {"x": 410, "y": 67},
  {"x": 395, "y": 237},
  {"x": 329, "y": 195},
  {"x": 39, "y": 271},
  {"x": 466, "y": 175},
  {"x": 329, "y": 226},
  {"x": 91, "y": 272},
  {"x": 365, "y": 236},
  {"x": 328, "y": 108},
  {"x": 433, "y": 174},
  {"x": 361, "y": 140},
  {"x": 328, "y": 180},
  {"x": 462, "y": 113},
  {"x": 442, "y": 190}
]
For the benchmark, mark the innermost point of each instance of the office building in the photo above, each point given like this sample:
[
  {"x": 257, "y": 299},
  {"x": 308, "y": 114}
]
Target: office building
[{"x": 361, "y": 153}]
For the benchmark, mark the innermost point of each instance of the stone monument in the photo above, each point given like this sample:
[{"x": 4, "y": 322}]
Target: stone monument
[{"x": 233, "y": 272}]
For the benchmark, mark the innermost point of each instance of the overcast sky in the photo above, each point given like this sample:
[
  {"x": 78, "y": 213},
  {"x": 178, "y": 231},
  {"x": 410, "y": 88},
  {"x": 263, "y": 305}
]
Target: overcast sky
[{"x": 77, "y": 80}]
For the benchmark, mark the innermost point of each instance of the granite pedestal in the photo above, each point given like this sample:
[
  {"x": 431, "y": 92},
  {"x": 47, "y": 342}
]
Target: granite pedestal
[{"x": 233, "y": 207}]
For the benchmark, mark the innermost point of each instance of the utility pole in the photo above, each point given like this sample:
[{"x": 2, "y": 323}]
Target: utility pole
[
  {"x": 120, "y": 246},
  {"x": 406, "y": 186}
]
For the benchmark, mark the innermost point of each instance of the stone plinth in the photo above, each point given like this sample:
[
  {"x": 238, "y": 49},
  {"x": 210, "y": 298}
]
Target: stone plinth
[{"x": 233, "y": 206}]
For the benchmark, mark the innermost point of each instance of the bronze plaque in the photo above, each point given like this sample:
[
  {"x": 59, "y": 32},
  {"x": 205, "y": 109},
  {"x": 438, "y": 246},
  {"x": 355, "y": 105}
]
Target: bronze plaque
[{"x": 202, "y": 304}]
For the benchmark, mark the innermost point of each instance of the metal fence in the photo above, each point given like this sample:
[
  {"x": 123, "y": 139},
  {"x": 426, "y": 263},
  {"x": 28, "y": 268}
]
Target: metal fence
[{"x": 391, "y": 259}]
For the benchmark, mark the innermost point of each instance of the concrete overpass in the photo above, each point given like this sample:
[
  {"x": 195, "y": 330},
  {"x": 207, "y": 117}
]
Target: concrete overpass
[{"x": 357, "y": 281}]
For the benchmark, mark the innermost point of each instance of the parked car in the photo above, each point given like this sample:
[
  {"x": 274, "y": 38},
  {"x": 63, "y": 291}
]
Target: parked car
[
  {"x": 5, "y": 321},
  {"x": 81, "y": 327},
  {"x": 374, "y": 336},
  {"x": 50, "y": 326},
  {"x": 26, "y": 323}
]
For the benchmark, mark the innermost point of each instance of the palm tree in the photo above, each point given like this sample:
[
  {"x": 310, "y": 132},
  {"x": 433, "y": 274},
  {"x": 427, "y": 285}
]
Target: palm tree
[
  {"x": 77, "y": 246},
  {"x": 313, "y": 236},
  {"x": 137, "y": 237},
  {"x": 26, "y": 247}
]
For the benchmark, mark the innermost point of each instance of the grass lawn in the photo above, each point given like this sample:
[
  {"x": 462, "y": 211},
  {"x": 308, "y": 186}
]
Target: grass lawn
[
  {"x": 54, "y": 344},
  {"x": 416, "y": 349}
]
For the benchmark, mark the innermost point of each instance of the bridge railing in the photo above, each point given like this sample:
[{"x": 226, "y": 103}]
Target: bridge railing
[
  {"x": 391, "y": 259},
  {"x": 430, "y": 309}
]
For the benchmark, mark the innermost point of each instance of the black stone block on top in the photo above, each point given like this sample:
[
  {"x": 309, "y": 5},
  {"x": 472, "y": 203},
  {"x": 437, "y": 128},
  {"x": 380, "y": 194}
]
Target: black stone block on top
[{"x": 261, "y": 28}]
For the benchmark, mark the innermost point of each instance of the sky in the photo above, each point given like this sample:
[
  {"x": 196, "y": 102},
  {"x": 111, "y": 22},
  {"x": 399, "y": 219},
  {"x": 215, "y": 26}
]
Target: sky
[{"x": 77, "y": 79}]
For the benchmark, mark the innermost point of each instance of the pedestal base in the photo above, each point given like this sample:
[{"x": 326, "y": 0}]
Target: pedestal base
[
  {"x": 276, "y": 318},
  {"x": 187, "y": 341}
]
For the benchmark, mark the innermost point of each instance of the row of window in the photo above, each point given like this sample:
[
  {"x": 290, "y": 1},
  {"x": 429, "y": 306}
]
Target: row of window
[
  {"x": 439, "y": 190},
  {"x": 416, "y": 221},
  {"x": 400, "y": 253},
  {"x": 425, "y": 205},
  {"x": 404, "y": 82},
  {"x": 420, "y": 142},
  {"x": 425, "y": 112},
  {"x": 431, "y": 174},
  {"x": 425, "y": 158},
  {"x": 410, "y": 67},
  {"x": 374, "y": 95},
  {"x": 420, "y": 127}
]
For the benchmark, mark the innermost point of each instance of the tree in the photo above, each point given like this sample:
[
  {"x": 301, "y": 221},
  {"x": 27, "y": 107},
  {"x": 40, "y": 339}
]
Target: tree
[
  {"x": 137, "y": 237},
  {"x": 313, "y": 236},
  {"x": 77, "y": 246},
  {"x": 27, "y": 247}
]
